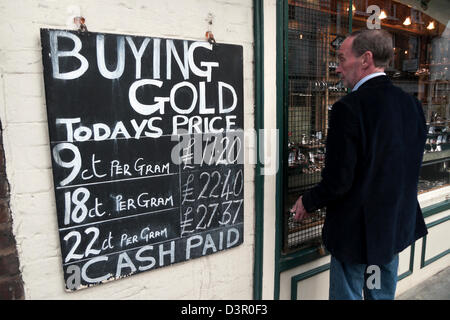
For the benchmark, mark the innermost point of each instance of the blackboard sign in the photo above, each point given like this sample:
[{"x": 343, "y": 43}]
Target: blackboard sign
[{"x": 146, "y": 139}]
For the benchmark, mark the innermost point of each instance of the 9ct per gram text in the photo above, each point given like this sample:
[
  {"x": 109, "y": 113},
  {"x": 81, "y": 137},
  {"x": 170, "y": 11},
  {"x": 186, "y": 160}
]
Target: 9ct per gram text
[{"x": 230, "y": 309}]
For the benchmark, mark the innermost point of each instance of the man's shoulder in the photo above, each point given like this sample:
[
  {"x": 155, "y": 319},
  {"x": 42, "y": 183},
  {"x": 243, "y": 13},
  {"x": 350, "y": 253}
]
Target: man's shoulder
[
  {"x": 387, "y": 89},
  {"x": 348, "y": 101}
]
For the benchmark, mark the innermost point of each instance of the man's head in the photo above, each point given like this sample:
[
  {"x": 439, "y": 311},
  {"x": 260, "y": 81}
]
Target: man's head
[{"x": 364, "y": 52}]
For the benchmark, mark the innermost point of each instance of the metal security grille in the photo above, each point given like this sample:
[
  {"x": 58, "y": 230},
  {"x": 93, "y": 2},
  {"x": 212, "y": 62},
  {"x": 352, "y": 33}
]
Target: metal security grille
[{"x": 315, "y": 30}]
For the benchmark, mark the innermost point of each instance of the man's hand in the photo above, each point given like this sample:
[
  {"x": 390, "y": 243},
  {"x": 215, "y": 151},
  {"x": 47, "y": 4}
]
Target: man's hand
[{"x": 299, "y": 209}]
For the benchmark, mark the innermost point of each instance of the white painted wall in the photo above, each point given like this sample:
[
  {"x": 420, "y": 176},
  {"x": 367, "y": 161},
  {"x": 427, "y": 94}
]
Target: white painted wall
[
  {"x": 224, "y": 275},
  {"x": 270, "y": 124}
]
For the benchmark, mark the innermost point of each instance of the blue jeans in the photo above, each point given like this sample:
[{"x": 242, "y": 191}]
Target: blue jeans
[{"x": 349, "y": 281}]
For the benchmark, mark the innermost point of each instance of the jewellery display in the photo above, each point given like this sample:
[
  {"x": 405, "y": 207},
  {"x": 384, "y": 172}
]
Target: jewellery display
[
  {"x": 438, "y": 138},
  {"x": 422, "y": 72},
  {"x": 332, "y": 65},
  {"x": 309, "y": 155}
]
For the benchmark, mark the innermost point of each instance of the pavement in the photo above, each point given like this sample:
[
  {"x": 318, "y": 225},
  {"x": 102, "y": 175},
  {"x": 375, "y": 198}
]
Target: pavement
[{"x": 435, "y": 288}]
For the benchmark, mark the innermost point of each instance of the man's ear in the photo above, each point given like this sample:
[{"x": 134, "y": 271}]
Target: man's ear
[{"x": 367, "y": 59}]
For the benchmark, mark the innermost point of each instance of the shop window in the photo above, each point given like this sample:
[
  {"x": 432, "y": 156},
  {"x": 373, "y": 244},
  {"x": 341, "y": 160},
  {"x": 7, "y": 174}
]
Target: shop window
[{"x": 420, "y": 66}]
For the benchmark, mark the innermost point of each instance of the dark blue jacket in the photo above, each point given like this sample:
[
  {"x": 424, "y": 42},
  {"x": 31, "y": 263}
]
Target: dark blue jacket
[{"x": 374, "y": 151}]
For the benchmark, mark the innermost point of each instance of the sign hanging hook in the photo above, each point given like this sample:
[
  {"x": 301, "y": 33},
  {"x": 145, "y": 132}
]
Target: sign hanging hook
[
  {"x": 209, "y": 35},
  {"x": 80, "y": 23}
]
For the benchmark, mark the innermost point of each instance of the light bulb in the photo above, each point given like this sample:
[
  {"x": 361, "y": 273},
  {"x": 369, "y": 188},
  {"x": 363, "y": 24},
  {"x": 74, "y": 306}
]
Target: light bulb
[
  {"x": 431, "y": 26},
  {"x": 383, "y": 15},
  {"x": 407, "y": 21}
]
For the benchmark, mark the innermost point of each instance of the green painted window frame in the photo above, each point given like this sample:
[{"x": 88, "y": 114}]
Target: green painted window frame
[
  {"x": 428, "y": 212},
  {"x": 258, "y": 21}
]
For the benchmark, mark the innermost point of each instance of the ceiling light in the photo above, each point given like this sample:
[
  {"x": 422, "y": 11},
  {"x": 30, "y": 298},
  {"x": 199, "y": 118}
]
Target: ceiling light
[{"x": 407, "y": 21}]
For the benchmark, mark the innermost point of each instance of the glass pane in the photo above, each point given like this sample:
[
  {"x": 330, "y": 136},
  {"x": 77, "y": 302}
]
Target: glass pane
[{"x": 420, "y": 66}]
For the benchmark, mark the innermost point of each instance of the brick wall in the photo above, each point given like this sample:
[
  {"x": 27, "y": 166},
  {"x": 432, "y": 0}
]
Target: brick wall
[{"x": 11, "y": 284}]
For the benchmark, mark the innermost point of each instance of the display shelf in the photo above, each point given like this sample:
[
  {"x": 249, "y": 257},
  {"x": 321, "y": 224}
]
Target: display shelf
[
  {"x": 301, "y": 95},
  {"x": 305, "y": 224},
  {"x": 438, "y": 124},
  {"x": 437, "y": 64},
  {"x": 441, "y": 81},
  {"x": 436, "y": 156},
  {"x": 301, "y": 181},
  {"x": 312, "y": 146}
]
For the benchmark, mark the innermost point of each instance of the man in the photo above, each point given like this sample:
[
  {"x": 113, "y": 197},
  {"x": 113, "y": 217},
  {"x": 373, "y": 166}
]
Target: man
[{"x": 374, "y": 151}]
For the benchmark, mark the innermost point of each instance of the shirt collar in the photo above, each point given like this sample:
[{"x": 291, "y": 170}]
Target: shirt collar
[{"x": 366, "y": 78}]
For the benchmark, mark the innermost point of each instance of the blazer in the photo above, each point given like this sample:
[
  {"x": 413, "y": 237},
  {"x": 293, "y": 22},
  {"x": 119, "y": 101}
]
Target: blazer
[{"x": 374, "y": 152}]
